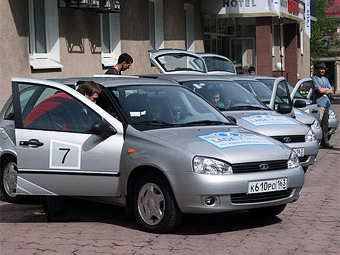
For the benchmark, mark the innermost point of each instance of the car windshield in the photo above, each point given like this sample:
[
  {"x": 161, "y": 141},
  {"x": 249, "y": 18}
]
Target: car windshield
[
  {"x": 226, "y": 95},
  {"x": 219, "y": 64},
  {"x": 174, "y": 62},
  {"x": 258, "y": 89},
  {"x": 268, "y": 82},
  {"x": 150, "y": 107}
]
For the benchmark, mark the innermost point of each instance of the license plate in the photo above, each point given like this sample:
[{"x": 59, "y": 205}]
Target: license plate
[
  {"x": 300, "y": 151},
  {"x": 267, "y": 186}
]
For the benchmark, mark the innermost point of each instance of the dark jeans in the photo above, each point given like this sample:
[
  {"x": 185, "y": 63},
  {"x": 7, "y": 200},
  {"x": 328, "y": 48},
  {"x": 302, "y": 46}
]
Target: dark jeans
[
  {"x": 323, "y": 119},
  {"x": 55, "y": 207}
]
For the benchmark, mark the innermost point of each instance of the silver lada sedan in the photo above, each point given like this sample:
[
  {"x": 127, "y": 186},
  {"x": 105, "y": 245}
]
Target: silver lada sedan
[
  {"x": 234, "y": 100},
  {"x": 151, "y": 145}
]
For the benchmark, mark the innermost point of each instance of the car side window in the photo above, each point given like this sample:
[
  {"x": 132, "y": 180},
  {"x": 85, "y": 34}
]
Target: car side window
[
  {"x": 9, "y": 114},
  {"x": 306, "y": 90},
  {"x": 54, "y": 110}
]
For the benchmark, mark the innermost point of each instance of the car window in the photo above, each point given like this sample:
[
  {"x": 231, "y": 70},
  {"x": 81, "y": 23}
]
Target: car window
[
  {"x": 54, "y": 110},
  {"x": 305, "y": 92},
  {"x": 148, "y": 107},
  {"x": 180, "y": 62},
  {"x": 226, "y": 95},
  {"x": 283, "y": 92},
  {"x": 219, "y": 64},
  {"x": 9, "y": 114}
]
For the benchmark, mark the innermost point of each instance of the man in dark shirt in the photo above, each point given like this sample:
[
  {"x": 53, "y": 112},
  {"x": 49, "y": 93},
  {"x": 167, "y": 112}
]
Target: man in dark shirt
[{"x": 124, "y": 63}]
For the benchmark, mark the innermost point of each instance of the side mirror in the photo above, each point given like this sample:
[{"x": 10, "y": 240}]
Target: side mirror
[
  {"x": 284, "y": 108},
  {"x": 102, "y": 128},
  {"x": 232, "y": 119},
  {"x": 299, "y": 104}
]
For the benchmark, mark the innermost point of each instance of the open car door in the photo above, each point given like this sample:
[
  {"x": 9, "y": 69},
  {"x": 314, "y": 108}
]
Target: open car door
[
  {"x": 280, "y": 100},
  {"x": 58, "y": 151},
  {"x": 304, "y": 91}
]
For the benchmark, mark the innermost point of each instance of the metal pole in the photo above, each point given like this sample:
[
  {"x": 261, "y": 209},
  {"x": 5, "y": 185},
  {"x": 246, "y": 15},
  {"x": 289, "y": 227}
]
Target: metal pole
[{"x": 280, "y": 45}]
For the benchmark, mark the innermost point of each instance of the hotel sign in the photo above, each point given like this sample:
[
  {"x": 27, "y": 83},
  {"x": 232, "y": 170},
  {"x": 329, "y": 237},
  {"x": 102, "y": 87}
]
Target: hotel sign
[{"x": 289, "y": 8}]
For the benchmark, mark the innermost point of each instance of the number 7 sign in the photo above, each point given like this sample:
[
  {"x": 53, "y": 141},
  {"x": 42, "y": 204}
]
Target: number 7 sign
[{"x": 64, "y": 155}]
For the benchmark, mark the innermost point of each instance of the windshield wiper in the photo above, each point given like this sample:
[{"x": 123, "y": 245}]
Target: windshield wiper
[
  {"x": 205, "y": 122},
  {"x": 248, "y": 107},
  {"x": 155, "y": 123}
]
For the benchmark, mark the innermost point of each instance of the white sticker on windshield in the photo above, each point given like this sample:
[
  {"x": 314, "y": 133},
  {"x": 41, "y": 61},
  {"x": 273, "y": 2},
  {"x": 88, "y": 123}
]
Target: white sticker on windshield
[
  {"x": 265, "y": 120},
  {"x": 227, "y": 139},
  {"x": 64, "y": 155}
]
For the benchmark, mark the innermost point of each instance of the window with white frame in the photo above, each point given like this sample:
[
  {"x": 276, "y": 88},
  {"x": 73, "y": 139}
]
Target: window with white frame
[
  {"x": 156, "y": 30},
  {"x": 110, "y": 36},
  {"x": 189, "y": 27},
  {"x": 44, "y": 34}
]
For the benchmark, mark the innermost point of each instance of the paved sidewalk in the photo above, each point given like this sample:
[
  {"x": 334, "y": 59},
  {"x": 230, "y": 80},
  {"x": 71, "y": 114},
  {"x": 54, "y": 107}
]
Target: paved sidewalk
[{"x": 310, "y": 226}]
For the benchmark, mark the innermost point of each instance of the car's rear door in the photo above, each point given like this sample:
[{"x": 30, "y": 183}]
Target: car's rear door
[{"x": 58, "y": 154}]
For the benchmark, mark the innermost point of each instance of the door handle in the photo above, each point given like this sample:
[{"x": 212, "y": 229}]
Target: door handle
[
  {"x": 314, "y": 111},
  {"x": 32, "y": 143}
]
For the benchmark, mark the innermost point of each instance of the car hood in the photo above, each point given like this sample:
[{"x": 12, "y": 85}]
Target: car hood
[
  {"x": 224, "y": 142},
  {"x": 268, "y": 123},
  {"x": 304, "y": 117}
]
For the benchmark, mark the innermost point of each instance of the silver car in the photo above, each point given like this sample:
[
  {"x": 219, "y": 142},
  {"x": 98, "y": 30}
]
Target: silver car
[
  {"x": 304, "y": 91},
  {"x": 164, "y": 152},
  {"x": 264, "y": 94},
  {"x": 252, "y": 114}
]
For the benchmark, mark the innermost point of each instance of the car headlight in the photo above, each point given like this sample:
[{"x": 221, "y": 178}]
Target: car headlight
[
  {"x": 331, "y": 115},
  {"x": 310, "y": 136},
  {"x": 293, "y": 160},
  {"x": 211, "y": 166},
  {"x": 316, "y": 124}
]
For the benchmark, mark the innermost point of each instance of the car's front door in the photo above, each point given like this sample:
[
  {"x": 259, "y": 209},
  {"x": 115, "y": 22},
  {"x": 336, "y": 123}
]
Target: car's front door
[
  {"x": 281, "y": 92},
  {"x": 58, "y": 154},
  {"x": 304, "y": 91}
]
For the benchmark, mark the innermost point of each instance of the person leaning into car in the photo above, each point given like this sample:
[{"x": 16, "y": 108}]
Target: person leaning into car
[
  {"x": 56, "y": 207},
  {"x": 322, "y": 89},
  {"x": 124, "y": 63}
]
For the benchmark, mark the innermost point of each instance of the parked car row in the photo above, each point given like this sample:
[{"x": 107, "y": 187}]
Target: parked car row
[{"x": 177, "y": 143}]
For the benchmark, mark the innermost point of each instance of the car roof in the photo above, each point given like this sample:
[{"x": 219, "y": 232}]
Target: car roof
[
  {"x": 255, "y": 77},
  {"x": 189, "y": 77},
  {"x": 202, "y": 54},
  {"x": 111, "y": 81}
]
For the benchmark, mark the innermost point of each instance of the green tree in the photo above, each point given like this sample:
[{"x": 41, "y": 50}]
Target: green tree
[{"x": 323, "y": 30}]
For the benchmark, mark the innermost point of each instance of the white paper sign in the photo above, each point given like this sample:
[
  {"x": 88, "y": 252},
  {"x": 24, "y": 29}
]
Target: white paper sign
[
  {"x": 266, "y": 120},
  {"x": 228, "y": 139},
  {"x": 64, "y": 155}
]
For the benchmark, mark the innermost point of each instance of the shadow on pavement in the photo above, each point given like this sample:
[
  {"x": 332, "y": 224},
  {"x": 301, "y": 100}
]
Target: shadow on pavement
[{"x": 88, "y": 211}]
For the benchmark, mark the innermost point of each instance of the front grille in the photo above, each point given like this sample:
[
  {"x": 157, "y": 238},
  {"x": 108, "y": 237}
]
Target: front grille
[
  {"x": 255, "y": 166},
  {"x": 291, "y": 138},
  {"x": 261, "y": 197}
]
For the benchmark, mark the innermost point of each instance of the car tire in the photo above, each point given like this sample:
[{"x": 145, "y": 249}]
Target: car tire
[
  {"x": 154, "y": 205},
  {"x": 268, "y": 212},
  {"x": 8, "y": 176}
]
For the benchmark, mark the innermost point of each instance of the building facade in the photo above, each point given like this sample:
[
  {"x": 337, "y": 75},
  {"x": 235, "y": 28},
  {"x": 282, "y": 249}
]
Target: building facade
[
  {"x": 57, "y": 38},
  {"x": 249, "y": 32},
  {"x": 65, "y": 38}
]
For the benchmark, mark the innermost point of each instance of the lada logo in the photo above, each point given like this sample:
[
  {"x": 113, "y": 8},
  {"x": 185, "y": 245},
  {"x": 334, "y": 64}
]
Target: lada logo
[
  {"x": 287, "y": 139},
  {"x": 264, "y": 166}
]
